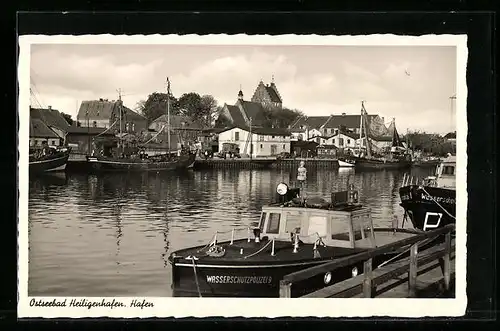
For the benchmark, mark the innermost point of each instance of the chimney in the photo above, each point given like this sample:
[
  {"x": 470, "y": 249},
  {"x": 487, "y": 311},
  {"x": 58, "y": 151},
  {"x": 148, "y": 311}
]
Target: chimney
[
  {"x": 343, "y": 114},
  {"x": 49, "y": 107},
  {"x": 100, "y": 99}
]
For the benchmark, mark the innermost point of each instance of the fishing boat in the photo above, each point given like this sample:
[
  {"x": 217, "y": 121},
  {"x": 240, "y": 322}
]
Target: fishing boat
[
  {"x": 430, "y": 203},
  {"x": 293, "y": 233},
  {"x": 347, "y": 163},
  {"x": 140, "y": 161},
  {"x": 397, "y": 158},
  {"x": 48, "y": 159}
]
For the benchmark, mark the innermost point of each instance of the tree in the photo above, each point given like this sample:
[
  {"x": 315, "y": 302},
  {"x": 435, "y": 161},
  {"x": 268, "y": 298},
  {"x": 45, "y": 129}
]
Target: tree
[
  {"x": 156, "y": 105},
  {"x": 68, "y": 118},
  {"x": 208, "y": 109},
  {"x": 282, "y": 118},
  {"x": 190, "y": 106}
]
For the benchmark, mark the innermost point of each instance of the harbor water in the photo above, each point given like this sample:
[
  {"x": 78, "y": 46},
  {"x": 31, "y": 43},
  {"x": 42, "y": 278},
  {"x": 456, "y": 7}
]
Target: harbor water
[{"x": 111, "y": 234}]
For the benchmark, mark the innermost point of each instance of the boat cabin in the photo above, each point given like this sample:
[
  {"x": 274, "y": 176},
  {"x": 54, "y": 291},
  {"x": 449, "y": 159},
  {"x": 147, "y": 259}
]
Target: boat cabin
[
  {"x": 445, "y": 174},
  {"x": 339, "y": 223}
]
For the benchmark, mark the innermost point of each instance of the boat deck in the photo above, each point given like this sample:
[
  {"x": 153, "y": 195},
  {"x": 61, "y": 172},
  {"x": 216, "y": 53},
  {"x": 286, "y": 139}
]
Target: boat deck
[{"x": 283, "y": 252}]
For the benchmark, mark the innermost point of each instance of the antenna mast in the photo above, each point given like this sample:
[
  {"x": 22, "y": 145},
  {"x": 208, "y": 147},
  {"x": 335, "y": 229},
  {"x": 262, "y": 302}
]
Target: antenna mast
[
  {"x": 452, "y": 98},
  {"x": 120, "y": 115}
]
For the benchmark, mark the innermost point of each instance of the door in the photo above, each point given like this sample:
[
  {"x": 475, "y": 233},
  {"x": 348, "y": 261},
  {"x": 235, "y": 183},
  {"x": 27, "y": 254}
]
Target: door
[{"x": 274, "y": 150}]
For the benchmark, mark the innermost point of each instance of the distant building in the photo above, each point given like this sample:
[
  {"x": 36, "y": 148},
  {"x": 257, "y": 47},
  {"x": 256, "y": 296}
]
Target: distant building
[
  {"x": 186, "y": 131},
  {"x": 451, "y": 137},
  {"x": 268, "y": 95},
  {"x": 261, "y": 142},
  {"x": 242, "y": 114},
  {"x": 47, "y": 124},
  {"x": 81, "y": 138},
  {"x": 103, "y": 113}
]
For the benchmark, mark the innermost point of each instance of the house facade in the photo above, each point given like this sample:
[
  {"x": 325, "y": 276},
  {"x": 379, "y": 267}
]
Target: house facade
[
  {"x": 262, "y": 142},
  {"x": 103, "y": 113},
  {"x": 40, "y": 133}
]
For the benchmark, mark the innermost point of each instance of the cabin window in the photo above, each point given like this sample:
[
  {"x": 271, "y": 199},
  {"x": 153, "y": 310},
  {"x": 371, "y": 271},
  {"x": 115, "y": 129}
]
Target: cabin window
[
  {"x": 317, "y": 224},
  {"x": 340, "y": 228},
  {"x": 273, "y": 224},
  {"x": 262, "y": 221},
  {"x": 448, "y": 170},
  {"x": 293, "y": 221},
  {"x": 236, "y": 136}
]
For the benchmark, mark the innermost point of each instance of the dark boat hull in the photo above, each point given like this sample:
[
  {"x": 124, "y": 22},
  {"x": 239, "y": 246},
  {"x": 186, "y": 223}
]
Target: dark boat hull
[
  {"x": 103, "y": 164},
  {"x": 259, "y": 276},
  {"x": 52, "y": 163},
  {"x": 363, "y": 163},
  {"x": 424, "y": 212}
]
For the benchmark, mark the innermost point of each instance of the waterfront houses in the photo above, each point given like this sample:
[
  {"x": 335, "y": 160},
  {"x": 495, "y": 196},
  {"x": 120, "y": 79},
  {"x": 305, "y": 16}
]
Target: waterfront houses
[
  {"x": 47, "y": 124},
  {"x": 257, "y": 142},
  {"x": 186, "y": 131},
  {"x": 81, "y": 139},
  {"x": 103, "y": 113}
]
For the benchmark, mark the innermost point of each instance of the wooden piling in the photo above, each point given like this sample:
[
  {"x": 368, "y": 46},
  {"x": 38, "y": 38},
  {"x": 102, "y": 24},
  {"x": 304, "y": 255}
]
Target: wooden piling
[
  {"x": 368, "y": 277},
  {"x": 412, "y": 273},
  {"x": 285, "y": 289},
  {"x": 447, "y": 262}
]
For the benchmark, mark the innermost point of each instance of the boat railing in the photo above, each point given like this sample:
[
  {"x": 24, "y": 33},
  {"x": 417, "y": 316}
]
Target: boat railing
[
  {"x": 256, "y": 237},
  {"x": 409, "y": 180},
  {"x": 366, "y": 282}
]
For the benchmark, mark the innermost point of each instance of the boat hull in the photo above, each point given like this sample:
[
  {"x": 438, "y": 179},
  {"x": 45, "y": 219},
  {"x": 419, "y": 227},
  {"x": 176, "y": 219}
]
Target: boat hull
[
  {"x": 424, "y": 211},
  {"x": 102, "y": 164},
  {"x": 254, "y": 281},
  {"x": 53, "y": 163},
  {"x": 345, "y": 164},
  {"x": 363, "y": 163}
]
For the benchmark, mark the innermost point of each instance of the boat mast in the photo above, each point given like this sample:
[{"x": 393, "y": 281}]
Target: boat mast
[
  {"x": 363, "y": 111},
  {"x": 120, "y": 116},
  {"x": 168, "y": 115},
  {"x": 360, "y": 131}
]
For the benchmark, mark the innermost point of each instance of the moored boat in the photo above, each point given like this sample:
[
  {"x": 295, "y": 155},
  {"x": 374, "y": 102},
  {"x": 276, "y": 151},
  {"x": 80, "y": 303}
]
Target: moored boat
[
  {"x": 346, "y": 163},
  {"x": 431, "y": 202},
  {"x": 292, "y": 234},
  {"x": 397, "y": 158},
  {"x": 141, "y": 161},
  {"x": 49, "y": 159}
]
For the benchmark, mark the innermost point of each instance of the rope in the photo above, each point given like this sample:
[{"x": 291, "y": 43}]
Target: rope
[
  {"x": 196, "y": 277},
  {"x": 209, "y": 243},
  {"x": 105, "y": 130},
  {"x": 156, "y": 135},
  {"x": 260, "y": 250},
  {"x": 437, "y": 203}
]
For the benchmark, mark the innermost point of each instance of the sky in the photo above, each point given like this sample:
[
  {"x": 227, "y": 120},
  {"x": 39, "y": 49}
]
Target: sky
[{"x": 412, "y": 84}]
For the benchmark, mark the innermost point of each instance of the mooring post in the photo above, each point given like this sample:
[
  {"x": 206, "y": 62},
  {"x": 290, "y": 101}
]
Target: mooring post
[
  {"x": 285, "y": 289},
  {"x": 368, "y": 278},
  {"x": 447, "y": 258},
  {"x": 412, "y": 274}
]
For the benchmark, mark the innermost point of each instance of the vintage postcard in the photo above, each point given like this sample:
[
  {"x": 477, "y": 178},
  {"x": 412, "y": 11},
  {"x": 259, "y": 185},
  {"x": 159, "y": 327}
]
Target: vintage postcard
[{"x": 242, "y": 176}]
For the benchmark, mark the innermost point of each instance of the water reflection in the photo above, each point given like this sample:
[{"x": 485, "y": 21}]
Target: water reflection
[{"x": 110, "y": 234}]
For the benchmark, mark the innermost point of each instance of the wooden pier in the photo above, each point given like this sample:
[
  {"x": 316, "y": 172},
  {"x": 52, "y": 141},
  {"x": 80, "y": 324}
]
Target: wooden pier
[
  {"x": 236, "y": 163},
  {"x": 321, "y": 163},
  {"x": 429, "y": 273}
]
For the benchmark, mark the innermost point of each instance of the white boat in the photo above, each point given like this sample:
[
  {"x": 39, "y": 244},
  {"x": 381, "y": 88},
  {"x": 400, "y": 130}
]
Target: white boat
[{"x": 344, "y": 164}]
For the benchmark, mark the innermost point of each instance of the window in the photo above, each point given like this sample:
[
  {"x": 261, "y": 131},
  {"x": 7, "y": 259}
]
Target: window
[
  {"x": 236, "y": 136},
  {"x": 273, "y": 137},
  {"x": 284, "y": 147},
  {"x": 36, "y": 142},
  {"x": 261, "y": 146},
  {"x": 261, "y": 138},
  {"x": 293, "y": 221},
  {"x": 133, "y": 126},
  {"x": 348, "y": 141},
  {"x": 53, "y": 142},
  {"x": 95, "y": 124},
  {"x": 262, "y": 221},
  {"x": 127, "y": 126},
  {"x": 448, "y": 170},
  {"x": 273, "y": 224},
  {"x": 341, "y": 141}
]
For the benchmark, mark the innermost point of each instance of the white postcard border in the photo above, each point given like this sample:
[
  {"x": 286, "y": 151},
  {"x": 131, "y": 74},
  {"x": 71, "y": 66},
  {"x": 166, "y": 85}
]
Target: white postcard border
[{"x": 246, "y": 307}]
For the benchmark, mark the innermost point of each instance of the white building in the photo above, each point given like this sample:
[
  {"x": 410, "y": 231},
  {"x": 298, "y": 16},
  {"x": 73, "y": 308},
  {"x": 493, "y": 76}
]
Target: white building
[{"x": 263, "y": 141}]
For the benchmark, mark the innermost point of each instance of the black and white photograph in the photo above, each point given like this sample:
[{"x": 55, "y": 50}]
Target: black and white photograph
[{"x": 233, "y": 175}]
